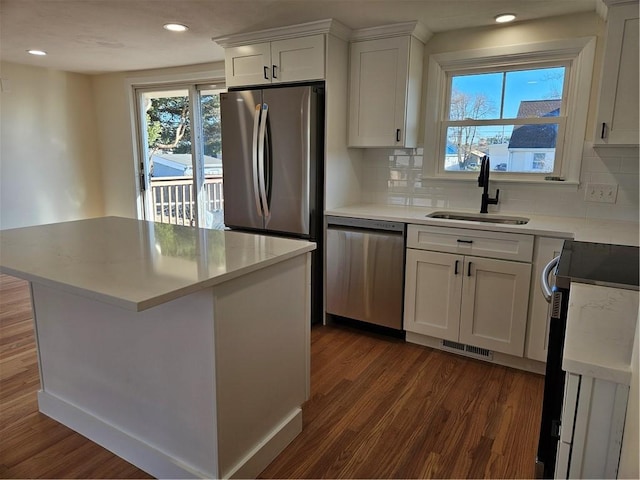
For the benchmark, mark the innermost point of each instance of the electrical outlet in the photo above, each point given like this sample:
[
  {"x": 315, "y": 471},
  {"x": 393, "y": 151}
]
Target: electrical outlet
[{"x": 601, "y": 192}]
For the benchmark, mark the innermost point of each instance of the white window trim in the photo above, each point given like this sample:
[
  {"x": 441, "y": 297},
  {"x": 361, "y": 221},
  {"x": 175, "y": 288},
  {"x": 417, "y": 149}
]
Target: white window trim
[{"x": 579, "y": 52}]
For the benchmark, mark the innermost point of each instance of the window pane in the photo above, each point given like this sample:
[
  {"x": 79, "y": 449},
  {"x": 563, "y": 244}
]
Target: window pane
[
  {"x": 475, "y": 96},
  {"x": 168, "y": 153},
  {"x": 212, "y": 201},
  {"x": 480, "y": 96},
  {"x": 533, "y": 93},
  {"x": 511, "y": 148}
]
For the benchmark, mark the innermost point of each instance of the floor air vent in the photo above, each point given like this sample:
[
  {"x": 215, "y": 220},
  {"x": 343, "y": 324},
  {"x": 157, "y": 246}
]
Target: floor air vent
[{"x": 470, "y": 350}]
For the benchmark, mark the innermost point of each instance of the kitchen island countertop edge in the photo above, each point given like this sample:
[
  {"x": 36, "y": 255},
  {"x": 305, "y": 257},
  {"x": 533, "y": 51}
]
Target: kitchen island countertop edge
[{"x": 137, "y": 264}]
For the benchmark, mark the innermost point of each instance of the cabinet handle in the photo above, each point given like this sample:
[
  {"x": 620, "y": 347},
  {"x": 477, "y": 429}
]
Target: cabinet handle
[
  {"x": 266, "y": 72},
  {"x": 464, "y": 241},
  {"x": 469, "y": 269},
  {"x": 604, "y": 130},
  {"x": 455, "y": 271},
  {"x": 273, "y": 71},
  {"x": 397, "y": 135}
]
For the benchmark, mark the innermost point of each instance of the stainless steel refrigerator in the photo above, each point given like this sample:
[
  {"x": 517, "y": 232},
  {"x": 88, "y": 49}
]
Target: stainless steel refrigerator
[{"x": 272, "y": 166}]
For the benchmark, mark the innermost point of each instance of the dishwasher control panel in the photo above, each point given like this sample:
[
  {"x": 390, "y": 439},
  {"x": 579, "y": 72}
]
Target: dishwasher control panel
[{"x": 365, "y": 223}]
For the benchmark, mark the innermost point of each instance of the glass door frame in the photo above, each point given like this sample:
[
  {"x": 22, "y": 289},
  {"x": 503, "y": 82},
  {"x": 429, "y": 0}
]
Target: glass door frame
[{"x": 140, "y": 140}]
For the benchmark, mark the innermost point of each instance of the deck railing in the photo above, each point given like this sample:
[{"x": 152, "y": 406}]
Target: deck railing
[{"x": 172, "y": 198}]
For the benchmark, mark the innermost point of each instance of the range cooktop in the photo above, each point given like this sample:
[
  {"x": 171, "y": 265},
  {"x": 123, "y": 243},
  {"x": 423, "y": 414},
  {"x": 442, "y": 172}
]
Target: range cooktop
[{"x": 598, "y": 264}]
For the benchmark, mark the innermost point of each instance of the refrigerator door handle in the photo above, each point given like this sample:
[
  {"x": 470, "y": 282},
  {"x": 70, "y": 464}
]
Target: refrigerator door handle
[
  {"x": 261, "y": 161},
  {"x": 255, "y": 159}
]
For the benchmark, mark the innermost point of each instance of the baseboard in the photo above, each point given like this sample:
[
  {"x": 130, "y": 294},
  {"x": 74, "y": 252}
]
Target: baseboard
[
  {"x": 133, "y": 450},
  {"x": 499, "y": 358},
  {"x": 266, "y": 451}
]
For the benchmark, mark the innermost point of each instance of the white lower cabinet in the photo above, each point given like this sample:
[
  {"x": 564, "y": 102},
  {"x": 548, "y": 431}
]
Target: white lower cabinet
[
  {"x": 593, "y": 417},
  {"x": 545, "y": 250},
  {"x": 478, "y": 301}
]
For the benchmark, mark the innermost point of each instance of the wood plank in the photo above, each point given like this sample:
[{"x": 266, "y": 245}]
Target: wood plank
[
  {"x": 379, "y": 408},
  {"x": 33, "y": 445}
]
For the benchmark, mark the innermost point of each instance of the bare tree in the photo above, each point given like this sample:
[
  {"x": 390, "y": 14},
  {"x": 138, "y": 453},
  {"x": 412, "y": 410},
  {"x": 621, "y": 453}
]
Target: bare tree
[{"x": 467, "y": 107}]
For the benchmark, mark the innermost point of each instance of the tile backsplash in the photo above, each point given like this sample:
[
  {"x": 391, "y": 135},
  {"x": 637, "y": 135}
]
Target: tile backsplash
[{"x": 393, "y": 176}]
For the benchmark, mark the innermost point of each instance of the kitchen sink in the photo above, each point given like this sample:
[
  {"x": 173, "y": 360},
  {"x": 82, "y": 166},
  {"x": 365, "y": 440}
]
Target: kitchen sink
[{"x": 480, "y": 217}]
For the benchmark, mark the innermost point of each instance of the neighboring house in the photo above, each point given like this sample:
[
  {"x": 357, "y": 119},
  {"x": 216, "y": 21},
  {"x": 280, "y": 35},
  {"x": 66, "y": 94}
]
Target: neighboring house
[
  {"x": 179, "y": 164},
  {"x": 471, "y": 158},
  {"x": 532, "y": 147}
]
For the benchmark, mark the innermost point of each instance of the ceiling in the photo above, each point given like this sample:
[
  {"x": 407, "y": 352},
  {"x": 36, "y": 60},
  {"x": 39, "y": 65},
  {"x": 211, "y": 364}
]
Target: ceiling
[{"x": 97, "y": 36}]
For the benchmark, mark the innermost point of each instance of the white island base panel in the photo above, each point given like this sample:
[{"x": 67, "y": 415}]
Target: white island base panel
[{"x": 208, "y": 385}]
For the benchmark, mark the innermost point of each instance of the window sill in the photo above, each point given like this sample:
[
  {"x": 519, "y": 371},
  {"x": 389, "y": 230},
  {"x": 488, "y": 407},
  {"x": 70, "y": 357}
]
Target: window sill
[{"x": 570, "y": 184}]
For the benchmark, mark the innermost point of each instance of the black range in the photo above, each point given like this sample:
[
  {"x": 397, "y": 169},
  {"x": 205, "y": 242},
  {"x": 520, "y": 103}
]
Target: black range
[
  {"x": 582, "y": 262},
  {"x": 598, "y": 264}
]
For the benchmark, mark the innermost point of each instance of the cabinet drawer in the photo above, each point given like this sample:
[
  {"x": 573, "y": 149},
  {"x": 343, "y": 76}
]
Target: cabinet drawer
[{"x": 508, "y": 246}]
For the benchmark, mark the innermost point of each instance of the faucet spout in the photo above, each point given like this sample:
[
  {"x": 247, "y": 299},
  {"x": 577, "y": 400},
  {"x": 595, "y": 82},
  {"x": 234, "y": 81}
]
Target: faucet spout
[{"x": 483, "y": 181}]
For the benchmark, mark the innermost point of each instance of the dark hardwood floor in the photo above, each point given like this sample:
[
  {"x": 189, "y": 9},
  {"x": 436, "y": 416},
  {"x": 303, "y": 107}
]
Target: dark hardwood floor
[{"x": 379, "y": 408}]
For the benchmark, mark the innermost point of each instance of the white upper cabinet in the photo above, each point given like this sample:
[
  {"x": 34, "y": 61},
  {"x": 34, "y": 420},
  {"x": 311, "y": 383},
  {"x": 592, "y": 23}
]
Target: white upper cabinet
[
  {"x": 617, "y": 121},
  {"x": 385, "y": 85},
  {"x": 297, "y": 59},
  {"x": 248, "y": 64},
  {"x": 294, "y": 53},
  {"x": 290, "y": 60}
]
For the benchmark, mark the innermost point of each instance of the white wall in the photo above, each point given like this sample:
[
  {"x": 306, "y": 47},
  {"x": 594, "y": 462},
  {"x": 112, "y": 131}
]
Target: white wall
[
  {"x": 394, "y": 176},
  {"x": 49, "y": 167},
  {"x": 116, "y": 145},
  {"x": 343, "y": 166},
  {"x": 546, "y": 29}
]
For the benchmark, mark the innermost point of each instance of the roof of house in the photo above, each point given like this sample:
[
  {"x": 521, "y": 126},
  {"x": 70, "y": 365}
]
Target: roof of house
[
  {"x": 536, "y": 136},
  {"x": 184, "y": 159},
  {"x": 539, "y": 108}
]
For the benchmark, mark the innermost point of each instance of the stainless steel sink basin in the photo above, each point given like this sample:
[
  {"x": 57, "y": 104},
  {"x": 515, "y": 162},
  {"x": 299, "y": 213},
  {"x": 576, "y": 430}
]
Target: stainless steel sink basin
[{"x": 480, "y": 217}]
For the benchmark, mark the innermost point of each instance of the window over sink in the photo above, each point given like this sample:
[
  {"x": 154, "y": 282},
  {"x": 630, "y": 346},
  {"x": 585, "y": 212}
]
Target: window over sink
[{"x": 525, "y": 106}]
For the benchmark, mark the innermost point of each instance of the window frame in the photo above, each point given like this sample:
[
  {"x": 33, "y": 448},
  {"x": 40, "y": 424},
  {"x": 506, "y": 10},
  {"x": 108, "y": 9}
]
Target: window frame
[
  {"x": 183, "y": 80},
  {"x": 577, "y": 55}
]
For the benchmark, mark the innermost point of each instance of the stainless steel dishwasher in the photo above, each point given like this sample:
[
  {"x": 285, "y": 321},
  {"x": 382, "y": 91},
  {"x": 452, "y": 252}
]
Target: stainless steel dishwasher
[{"x": 365, "y": 270}]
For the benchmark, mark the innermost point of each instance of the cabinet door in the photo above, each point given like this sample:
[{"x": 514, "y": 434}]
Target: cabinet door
[
  {"x": 433, "y": 283},
  {"x": 298, "y": 59},
  {"x": 538, "y": 327},
  {"x": 618, "y": 105},
  {"x": 377, "y": 94},
  {"x": 495, "y": 301},
  {"x": 248, "y": 65}
]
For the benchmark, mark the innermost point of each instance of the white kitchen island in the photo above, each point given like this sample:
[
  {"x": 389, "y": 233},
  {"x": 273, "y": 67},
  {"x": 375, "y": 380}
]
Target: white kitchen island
[{"x": 184, "y": 351}]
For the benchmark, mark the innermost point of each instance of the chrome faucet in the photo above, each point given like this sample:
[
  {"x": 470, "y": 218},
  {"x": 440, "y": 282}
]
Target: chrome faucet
[{"x": 483, "y": 181}]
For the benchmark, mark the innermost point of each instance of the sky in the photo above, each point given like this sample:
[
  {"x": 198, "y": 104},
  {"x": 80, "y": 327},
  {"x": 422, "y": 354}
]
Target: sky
[{"x": 538, "y": 84}]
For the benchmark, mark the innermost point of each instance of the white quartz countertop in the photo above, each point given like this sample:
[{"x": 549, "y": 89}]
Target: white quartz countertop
[
  {"x": 601, "y": 325},
  {"x": 137, "y": 264},
  {"x": 586, "y": 230}
]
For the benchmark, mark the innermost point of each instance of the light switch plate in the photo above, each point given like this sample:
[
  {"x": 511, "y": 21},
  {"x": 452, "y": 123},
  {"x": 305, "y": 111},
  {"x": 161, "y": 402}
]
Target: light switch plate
[
  {"x": 601, "y": 192},
  {"x": 5, "y": 85}
]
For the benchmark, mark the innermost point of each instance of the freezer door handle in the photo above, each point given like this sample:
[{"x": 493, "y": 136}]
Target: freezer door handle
[
  {"x": 255, "y": 159},
  {"x": 262, "y": 136}
]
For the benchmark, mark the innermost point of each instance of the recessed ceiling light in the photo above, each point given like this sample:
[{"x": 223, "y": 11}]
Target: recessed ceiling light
[
  {"x": 37, "y": 52},
  {"x": 176, "y": 27},
  {"x": 505, "y": 17}
]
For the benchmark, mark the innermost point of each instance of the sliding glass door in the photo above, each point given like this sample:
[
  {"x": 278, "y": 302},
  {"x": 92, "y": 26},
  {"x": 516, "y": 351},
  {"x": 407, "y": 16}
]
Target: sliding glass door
[{"x": 181, "y": 156}]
